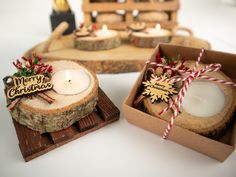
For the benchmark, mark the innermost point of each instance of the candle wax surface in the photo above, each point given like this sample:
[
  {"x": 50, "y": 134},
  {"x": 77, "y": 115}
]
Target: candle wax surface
[
  {"x": 70, "y": 82},
  {"x": 203, "y": 99},
  {"x": 105, "y": 33},
  {"x": 152, "y": 32}
]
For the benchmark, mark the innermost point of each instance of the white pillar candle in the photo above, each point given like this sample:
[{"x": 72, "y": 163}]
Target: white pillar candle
[
  {"x": 105, "y": 32},
  {"x": 203, "y": 99},
  {"x": 71, "y": 81}
]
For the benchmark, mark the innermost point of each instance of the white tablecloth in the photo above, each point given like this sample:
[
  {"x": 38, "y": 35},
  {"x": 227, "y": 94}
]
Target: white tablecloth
[{"x": 119, "y": 149}]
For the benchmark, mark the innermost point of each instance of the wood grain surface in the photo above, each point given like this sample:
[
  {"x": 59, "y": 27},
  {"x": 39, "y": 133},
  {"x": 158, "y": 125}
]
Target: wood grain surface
[{"x": 33, "y": 144}]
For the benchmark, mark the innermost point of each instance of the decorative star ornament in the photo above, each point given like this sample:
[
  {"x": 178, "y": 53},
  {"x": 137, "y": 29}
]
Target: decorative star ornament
[{"x": 159, "y": 90}]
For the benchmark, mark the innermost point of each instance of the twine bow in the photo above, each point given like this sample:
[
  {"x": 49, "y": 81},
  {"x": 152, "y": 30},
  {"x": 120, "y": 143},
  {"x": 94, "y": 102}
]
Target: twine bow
[{"x": 189, "y": 76}]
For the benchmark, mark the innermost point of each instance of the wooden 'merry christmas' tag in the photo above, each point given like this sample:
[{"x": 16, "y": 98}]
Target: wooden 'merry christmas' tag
[
  {"x": 27, "y": 85},
  {"x": 31, "y": 79},
  {"x": 159, "y": 89}
]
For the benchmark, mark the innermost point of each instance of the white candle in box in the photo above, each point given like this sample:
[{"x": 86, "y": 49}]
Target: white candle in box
[
  {"x": 207, "y": 107},
  {"x": 203, "y": 99},
  {"x": 70, "y": 82}
]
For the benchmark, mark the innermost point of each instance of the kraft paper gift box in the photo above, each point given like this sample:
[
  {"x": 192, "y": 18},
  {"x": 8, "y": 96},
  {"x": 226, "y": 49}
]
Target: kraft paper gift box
[{"x": 217, "y": 149}]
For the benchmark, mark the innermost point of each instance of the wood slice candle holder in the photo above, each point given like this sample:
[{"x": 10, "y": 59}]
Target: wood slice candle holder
[
  {"x": 211, "y": 126},
  {"x": 93, "y": 43},
  {"x": 145, "y": 40},
  {"x": 66, "y": 110}
]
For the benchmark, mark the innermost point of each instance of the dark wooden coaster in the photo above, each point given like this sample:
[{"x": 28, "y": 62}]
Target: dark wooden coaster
[
  {"x": 33, "y": 144},
  {"x": 88, "y": 122}
]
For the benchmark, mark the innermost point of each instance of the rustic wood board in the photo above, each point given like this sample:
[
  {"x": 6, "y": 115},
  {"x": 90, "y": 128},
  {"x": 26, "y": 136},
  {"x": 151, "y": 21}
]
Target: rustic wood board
[
  {"x": 126, "y": 58},
  {"x": 33, "y": 144}
]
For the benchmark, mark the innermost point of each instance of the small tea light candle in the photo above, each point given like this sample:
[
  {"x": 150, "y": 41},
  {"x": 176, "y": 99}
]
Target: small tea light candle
[
  {"x": 105, "y": 32},
  {"x": 70, "y": 82},
  {"x": 151, "y": 37},
  {"x": 157, "y": 31},
  {"x": 203, "y": 99}
]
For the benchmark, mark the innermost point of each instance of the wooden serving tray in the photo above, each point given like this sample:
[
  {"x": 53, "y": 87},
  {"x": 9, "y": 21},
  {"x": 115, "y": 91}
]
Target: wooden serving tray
[
  {"x": 126, "y": 58},
  {"x": 33, "y": 144}
]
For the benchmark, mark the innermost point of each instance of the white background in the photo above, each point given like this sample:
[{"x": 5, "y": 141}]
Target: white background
[{"x": 119, "y": 149}]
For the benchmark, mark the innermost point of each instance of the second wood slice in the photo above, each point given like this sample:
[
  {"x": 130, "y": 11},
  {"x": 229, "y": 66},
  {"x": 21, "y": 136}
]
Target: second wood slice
[
  {"x": 211, "y": 126},
  {"x": 40, "y": 116}
]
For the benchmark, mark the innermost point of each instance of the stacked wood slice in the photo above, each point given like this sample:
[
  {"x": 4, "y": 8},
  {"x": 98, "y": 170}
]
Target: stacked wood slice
[
  {"x": 66, "y": 110},
  {"x": 93, "y": 44},
  {"x": 209, "y": 126},
  {"x": 144, "y": 41}
]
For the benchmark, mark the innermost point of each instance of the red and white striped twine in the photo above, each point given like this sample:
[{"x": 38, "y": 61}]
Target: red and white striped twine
[{"x": 190, "y": 75}]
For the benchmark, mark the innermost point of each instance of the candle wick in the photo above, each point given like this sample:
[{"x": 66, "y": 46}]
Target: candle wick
[{"x": 69, "y": 81}]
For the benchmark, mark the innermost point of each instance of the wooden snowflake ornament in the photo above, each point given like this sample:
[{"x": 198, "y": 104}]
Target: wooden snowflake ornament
[{"x": 159, "y": 90}]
